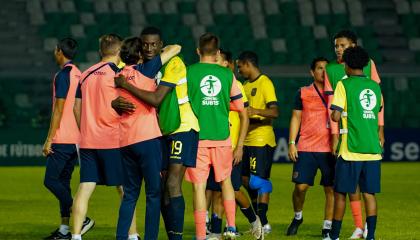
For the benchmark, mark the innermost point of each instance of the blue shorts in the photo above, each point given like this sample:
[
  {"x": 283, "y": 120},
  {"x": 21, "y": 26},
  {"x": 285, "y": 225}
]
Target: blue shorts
[
  {"x": 350, "y": 174},
  {"x": 60, "y": 163},
  {"x": 307, "y": 165},
  {"x": 258, "y": 161},
  {"x": 102, "y": 166},
  {"x": 236, "y": 178},
  {"x": 180, "y": 148}
]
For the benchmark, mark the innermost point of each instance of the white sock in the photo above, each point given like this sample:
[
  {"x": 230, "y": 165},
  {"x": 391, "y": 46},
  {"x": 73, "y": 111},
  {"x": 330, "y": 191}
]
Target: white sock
[
  {"x": 207, "y": 217},
  {"x": 133, "y": 236},
  {"x": 298, "y": 215},
  {"x": 76, "y": 237},
  {"x": 327, "y": 224},
  {"x": 64, "y": 229}
]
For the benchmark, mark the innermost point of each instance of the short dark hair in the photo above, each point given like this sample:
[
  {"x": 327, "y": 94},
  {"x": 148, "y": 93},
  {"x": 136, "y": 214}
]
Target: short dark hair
[
  {"x": 208, "y": 44},
  {"x": 249, "y": 56},
  {"x": 68, "y": 46},
  {"x": 350, "y": 35},
  {"x": 109, "y": 44},
  {"x": 227, "y": 55},
  {"x": 151, "y": 30},
  {"x": 356, "y": 57},
  {"x": 130, "y": 50},
  {"x": 316, "y": 60}
]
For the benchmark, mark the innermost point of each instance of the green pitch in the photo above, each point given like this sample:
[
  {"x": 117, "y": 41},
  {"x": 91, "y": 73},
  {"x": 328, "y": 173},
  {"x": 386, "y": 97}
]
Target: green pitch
[{"x": 29, "y": 211}]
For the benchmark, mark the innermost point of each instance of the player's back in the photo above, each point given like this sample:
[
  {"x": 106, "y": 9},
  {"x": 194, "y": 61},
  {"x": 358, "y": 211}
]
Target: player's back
[
  {"x": 142, "y": 124},
  {"x": 99, "y": 125},
  {"x": 68, "y": 132}
]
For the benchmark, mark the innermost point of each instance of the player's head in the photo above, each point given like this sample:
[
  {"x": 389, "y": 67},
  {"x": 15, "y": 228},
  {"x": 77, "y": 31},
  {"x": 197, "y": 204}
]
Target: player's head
[
  {"x": 355, "y": 59},
  {"x": 247, "y": 63},
  {"x": 225, "y": 59},
  {"x": 343, "y": 40},
  {"x": 110, "y": 45},
  {"x": 151, "y": 39},
  {"x": 65, "y": 50},
  {"x": 131, "y": 50},
  {"x": 318, "y": 68},
  {"x": 209, "y": 46}
]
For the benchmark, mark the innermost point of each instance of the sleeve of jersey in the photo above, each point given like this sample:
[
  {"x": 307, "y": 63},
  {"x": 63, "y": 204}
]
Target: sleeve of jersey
[
  {"x": 151, "y": 67},
  {"x": 374, "y": 72},
  {"x": 175, "y": 71},
  {"x": 327, "y": 85},
  {"x": 62, "y": 83},
  {"x": 236, "y": 97},
  {"x": 298, "y": 101},
  {"x": 338, "y": 103},
  {"x": 269, "y": 93},
  {"x": 381, "y": 114}
]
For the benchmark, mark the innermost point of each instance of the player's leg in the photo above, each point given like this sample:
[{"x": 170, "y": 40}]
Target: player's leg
[
  {"x": 214, "y": 225},
  {"x": 356, "y": 210},
  {"x": 132, "y": 232},
  {"x": 253, "y": 194},
  {"x": 264, "y": 187},
  {"x": 132, "y": 184},
  {"x": 326, "y": 163},
  {"x": 345, "y": 181},
  {"x": 198, "y": 177},
  {"x": 59, "y": 168},
  {"x": 370, "y": 185},
  {"x": 176, "y": 200}
]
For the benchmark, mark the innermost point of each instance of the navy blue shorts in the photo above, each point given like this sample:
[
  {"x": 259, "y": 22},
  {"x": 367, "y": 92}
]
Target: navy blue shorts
[
  {"x": 350, "y": 174},
  {"x": 258, "y": 161},
  {"x": 307, "y": 165},
  {"x": 60, "y": 163},
  {"x": 180, "y": 148},
  {"x": 102, "y": 166},
  {"x": 236, "y": 178}
]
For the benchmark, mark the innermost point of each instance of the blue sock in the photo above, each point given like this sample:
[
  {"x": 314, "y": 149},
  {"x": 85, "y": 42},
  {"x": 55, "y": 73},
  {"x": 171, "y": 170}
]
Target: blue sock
[
  {"x": 335, "y": 229},
  {"x": 177, "y": 210},
  {"x": 216, "y": 224},
  {"x": 165, "y": 211},
  {"x": 371, "y": 226}
]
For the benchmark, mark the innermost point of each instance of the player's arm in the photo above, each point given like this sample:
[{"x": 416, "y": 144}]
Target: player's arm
[
  {"x": 295, "y": 121},
  {"x": 169, "y": 52},
  {"x": 77, "y": 107},
  {"x": 61, "y": 85},
  {"x": 381, "y": 124},
  {"x": 236, "y": 97},
  {"x": 244, "y": 121},
  {"x": 339, "y": 102}
]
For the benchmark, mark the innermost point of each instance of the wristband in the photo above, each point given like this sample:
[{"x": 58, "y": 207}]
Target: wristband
[{"x": 291, "y": 142}]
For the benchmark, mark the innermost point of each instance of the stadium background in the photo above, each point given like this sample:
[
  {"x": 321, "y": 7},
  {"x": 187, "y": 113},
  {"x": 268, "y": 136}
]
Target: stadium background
[{"x": 286, "y": 34}]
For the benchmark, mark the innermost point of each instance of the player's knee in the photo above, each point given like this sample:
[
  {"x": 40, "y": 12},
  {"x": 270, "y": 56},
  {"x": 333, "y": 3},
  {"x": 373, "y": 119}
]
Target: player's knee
[
  {"x": 301, "y": 188},
  {"x": 173, "y": 187},
  {"x": 48, "y": 183}
]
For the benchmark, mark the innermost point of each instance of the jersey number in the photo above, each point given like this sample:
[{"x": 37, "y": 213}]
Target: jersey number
[
  {"x": 252, "y": 163},
  {"x": 176, "y": 147}
]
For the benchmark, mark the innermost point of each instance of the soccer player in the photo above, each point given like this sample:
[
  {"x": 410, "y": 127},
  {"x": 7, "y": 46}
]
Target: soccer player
[
  {"x": 140, "y": 133},
  {"x": 63, "y": 134},
  {"x": 260, "y": 141},
  {"x": 100, "y": 159},
  {"x": 310, "y": 119},
  {"x": 357, "y": 102},
  {"x": 334, "y": 73},
  {"x": 178, "y": 124},
  {"x": 238, "y": 129},
  {"x": 211, "y": 88}
]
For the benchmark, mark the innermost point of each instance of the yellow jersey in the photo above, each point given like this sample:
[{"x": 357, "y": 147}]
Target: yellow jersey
[
  {"x": 340, "y": 101},
  {"x": 235, "y": 121},
  {"x": 261, "y": 95},
  {"x": 176, "y": 75}
]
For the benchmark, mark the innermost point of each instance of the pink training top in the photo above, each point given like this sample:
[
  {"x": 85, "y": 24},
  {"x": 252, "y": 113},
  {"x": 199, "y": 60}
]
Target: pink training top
[
  {"x": 142, "y": 124},
  {"x": 99, "y": 125},
  {"x": 314, "y": 134},
  {"x": 64, "y": 86}
]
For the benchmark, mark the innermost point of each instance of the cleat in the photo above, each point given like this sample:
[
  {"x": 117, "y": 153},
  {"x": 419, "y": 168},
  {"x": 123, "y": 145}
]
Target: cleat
[
  {"x": 267, "y": 229},
  {"x": 365, "y": 232},
  {"x": 326, "y": 234},
  {"x": 57, "y": 235},
  {"x": 214, "y": 236},
  {"x": 357, "y": 234},
  {"x": 256, "y": 229},
  {"x": 87, "y": 225},
  {"x": 231, "y": 233},
  {"x": 293, "y": 227}
]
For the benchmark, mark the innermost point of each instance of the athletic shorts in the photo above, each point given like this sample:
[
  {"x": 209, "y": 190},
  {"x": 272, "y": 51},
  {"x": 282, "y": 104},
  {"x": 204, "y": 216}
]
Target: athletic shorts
[
  {"x": 102, "y": 166},
  {"x": 350, "y": 174},
  {"x": 307, "y": 165},
  {"x": 60, "y": 163},
  {"x": 220, "y": 158},
  {"x": 180, "y": 148},
  {"x": 258, "y": 161},
  {"x": 236, "y": 178}
]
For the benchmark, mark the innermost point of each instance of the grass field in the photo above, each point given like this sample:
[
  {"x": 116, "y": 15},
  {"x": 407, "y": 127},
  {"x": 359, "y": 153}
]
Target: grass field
[{"x": 29, "y": 211}]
